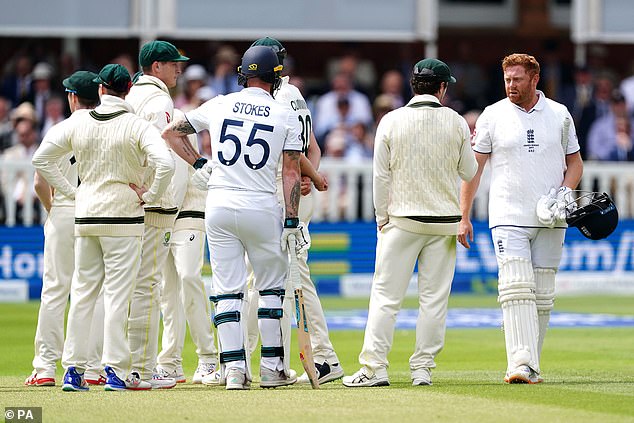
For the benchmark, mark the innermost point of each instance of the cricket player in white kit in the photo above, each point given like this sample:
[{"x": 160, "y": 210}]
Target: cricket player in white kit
[
  {"x": 59, "y": 260},
  {"x": 112, "y": 146},
  {"x": 150, "y": 98},
  {"x": 532, "y": 147},
  {"x": 421, "y": 150},
  {"x": 250, "y": 134},
  {"x": 184, "y": 300},
  {"x": 326, "y": 360}
]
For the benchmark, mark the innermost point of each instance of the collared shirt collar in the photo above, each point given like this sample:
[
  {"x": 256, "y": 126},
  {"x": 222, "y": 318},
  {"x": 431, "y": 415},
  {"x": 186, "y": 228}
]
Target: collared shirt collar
[
  {"x": 541, "y": 102},
  {"x": 149, "y": 79},
  {"x": 111, "y": 103},
  {"x": 423, "y": 97}
]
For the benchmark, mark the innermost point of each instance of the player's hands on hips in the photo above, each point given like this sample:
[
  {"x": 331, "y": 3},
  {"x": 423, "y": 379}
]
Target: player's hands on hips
[
  {"x": 546, "y": 208},
  {"x": 200, "y": 178},
  {"x": 302, "y": 238},
  {"x": 465, "y": 232},
  {"x": 139, "y": 191}
]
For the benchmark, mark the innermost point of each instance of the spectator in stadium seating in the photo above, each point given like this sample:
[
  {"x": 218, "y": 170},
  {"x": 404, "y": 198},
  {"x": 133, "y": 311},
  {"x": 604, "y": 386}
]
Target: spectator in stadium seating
[
  {"x": 6, "y": 127},
  {"x": 42, "y": 75},
  {"x": 341, "y": 105},
  {"x": 18, "y": 85},
  {"x": 195, "y": 77},
  {"x": 392, "y": 84},
  {"x": 53, "y": 112},
  {"x": 577, "y": 95},
  {"x": 225, "y": 77},
  {"x": 599, "y": 105},
  {"x": 610, "y": 136},
  {"x": 361, "y": 71},
  {"x": 627, "y": 88},
  {"x": 470, "y": 90},
  {"x": 21, "y": 187}
]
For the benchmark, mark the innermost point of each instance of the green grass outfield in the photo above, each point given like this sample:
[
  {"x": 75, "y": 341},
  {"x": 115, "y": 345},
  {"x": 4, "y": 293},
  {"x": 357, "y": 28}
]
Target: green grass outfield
[{"x": 589, "y": 375}]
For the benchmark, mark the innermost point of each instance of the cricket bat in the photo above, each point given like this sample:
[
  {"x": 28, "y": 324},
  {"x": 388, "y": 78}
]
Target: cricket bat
[{"x": 303, "y": 336}]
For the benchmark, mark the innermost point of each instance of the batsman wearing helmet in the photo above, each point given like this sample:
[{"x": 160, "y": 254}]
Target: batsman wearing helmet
[
  {"x": 420, "y": 152},
  {"x": 250, "y": 133},
  {"x": 326, "y": 360},
  {"x": 531, "y": 144}
]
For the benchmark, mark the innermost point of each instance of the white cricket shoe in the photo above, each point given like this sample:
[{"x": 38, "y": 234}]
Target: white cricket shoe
[
  {"x": 520, "y": 374},
  {"x": 46, "y": 378},
  {"x": 203, "y": 369},
  {"x": 274, "y": 378},
  {"x": 159, "y": 381},
  {"x": 535, "y": 378},
  {"x": 236, "y": 380},
  {"x": 326, "y": 372},
  {"x": 214, "y": 379},
  {"x": 421, "y": 377},
  {"x": 177, "y": 374},
  {"x": 366, "y": 377}
]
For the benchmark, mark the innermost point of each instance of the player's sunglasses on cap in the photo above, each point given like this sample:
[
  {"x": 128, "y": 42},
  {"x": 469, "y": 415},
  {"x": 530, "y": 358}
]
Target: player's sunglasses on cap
[
  {"x": 433, "y": 69},
  {"x": 81, "y": 83}
]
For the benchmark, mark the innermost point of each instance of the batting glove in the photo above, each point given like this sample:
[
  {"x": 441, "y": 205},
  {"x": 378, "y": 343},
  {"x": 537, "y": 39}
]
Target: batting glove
[
  {"x": 200, "y": 178},
  {"x": 564, "y": 202},
  {"x": 302, "y": 237},
  {"x": 546, "y": 207}
]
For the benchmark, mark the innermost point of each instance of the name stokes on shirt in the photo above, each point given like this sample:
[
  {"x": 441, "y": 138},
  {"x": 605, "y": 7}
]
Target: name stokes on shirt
[{"x": 251, "y": 109}]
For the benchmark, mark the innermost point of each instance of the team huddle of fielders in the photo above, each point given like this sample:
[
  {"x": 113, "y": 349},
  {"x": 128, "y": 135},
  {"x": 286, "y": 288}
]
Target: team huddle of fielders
[{"x": 128, "y": 191}]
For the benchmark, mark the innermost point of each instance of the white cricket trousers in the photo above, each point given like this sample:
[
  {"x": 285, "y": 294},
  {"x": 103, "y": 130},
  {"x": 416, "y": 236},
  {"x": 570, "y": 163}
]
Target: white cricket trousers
[
  {"x": 145, "y": 308},
  {"x": 237, "y": 223},
  {"x": 396, "y": 254},
  {"x": 59, "y": 264},
  {"x": 111, "y": 262},
  {"x": 319, "y": 337},
  {"x": 184, "y": 300}
]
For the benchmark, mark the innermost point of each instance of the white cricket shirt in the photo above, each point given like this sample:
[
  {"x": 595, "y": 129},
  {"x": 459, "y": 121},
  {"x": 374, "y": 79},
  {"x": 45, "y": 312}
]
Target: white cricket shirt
[
  {"x": 249, "y": 130},
  {"x": 527, "y": 156}
]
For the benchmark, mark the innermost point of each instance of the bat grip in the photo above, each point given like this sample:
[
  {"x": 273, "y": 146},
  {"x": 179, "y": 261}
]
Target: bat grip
[{"x": 294, "y": 266}]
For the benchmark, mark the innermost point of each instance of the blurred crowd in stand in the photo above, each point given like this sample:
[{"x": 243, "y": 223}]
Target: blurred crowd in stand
[{"x": 346, "y": 104}]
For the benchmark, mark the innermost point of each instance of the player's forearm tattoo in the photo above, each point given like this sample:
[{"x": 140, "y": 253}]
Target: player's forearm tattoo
[
  {"x": 184, "y": 127},
  {"x": 189, "y": 149},
  {"x": 296, "y": 191}
]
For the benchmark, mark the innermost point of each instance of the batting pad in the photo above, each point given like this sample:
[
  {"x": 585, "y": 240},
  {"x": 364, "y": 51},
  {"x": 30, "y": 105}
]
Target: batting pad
[
  {"x": 269, "y": 315},
  {"x": 516, "y": 287},
  {"x": 231, "y": 330},
  {"x": 545, "y": 300}
]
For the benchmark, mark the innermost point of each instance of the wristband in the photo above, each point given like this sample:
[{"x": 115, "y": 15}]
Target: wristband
[
  {"x": 291, "y": 222},
  {"x": 200, "y": 162}
]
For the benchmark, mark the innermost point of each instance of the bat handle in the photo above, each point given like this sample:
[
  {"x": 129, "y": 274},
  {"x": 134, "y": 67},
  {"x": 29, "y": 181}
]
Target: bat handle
[{"x": 294, "y": 267}]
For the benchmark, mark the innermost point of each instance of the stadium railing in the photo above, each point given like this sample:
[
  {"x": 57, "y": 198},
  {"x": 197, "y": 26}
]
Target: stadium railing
[{"x": 349, "y": 196}]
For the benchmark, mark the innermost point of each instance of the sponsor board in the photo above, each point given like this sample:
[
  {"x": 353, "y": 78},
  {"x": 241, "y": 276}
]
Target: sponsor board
[
  {"x": 342, "y": 260},
  {"x": 14, "y": 291},
  {"x": 474, "y": 318}
]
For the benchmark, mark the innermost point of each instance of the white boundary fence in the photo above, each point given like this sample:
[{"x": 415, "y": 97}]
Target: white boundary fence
[{"x": 349, "y": 197}]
